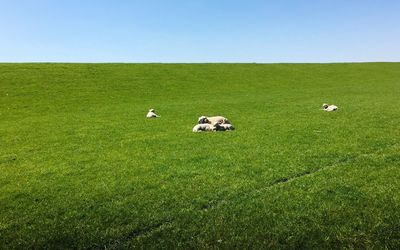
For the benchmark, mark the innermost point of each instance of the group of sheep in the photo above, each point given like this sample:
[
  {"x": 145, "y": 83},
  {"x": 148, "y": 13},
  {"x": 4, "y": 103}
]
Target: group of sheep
[
  {"x": 220, "y": 123},
  {"x": 213, "y": 123}
]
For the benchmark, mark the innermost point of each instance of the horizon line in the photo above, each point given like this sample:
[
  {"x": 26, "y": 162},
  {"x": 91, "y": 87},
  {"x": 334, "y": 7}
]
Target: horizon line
[{"x": 180, "y": 62}]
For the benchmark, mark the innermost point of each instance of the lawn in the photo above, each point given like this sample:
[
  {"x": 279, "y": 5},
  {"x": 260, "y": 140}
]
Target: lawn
[{"x": 81, "y": 166}]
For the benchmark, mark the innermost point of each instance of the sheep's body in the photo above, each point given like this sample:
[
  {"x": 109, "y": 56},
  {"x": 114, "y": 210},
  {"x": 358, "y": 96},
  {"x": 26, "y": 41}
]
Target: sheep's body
[
  {"x": 204, "y": 127},
  {"x": 213, "y": 120},
  {"x": 152, "y": 114},
  {"x": 329, "y": 108}
]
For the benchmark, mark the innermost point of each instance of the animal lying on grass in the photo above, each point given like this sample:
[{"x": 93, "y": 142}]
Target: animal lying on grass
[
  {"x": 206, "y": 127},
  {"x": 212, "y": 127},
  {"x": 213, "y": 123},
  {"x": 329, "y": 108},
  {"x": 152, "y": 114},
  {"x": 225, "y": 127},
  {"x": 213, "y": 119}
]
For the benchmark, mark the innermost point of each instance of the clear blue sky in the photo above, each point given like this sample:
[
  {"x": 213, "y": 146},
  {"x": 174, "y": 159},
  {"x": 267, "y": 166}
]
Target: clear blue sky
[{"x": 199, "y": 30}]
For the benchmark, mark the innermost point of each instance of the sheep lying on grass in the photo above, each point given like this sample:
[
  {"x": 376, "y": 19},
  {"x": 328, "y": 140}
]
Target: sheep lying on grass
[
  {"x": 329, "y": 108},
  {"x": 213, "y": 123},
  {"x": 152, "y": 114},
  {"x": 213, "y": 119},
  {"x": 206, "y": 127},
  {"x": 225, "y": 127}
]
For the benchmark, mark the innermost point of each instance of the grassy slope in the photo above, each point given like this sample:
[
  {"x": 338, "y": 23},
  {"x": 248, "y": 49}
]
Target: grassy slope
[{"x": 81, "y": 167}]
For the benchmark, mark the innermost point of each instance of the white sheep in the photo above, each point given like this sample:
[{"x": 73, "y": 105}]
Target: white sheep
[
  {"x": 329, "y": 108},
  {"x": 205, "y": 127},
  {"x": 152, "y": 114},
  {"x": 213, "y": 119}
]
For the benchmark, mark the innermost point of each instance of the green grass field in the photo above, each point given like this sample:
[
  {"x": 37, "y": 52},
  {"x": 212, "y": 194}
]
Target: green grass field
[{"x": 80, "y": 166}]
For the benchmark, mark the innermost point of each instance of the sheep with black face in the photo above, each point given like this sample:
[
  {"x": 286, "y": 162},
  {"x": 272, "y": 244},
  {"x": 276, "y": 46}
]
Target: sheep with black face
[
  {"x": 225, "y": 127},
  {"x": 206, "y": 127},
  {"x": 329, "y": 107},
  {"x": 152, "y": 114}
]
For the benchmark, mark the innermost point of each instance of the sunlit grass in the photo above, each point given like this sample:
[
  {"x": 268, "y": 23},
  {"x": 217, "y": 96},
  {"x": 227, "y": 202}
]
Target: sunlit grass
[{"x": 81, "y": 166}]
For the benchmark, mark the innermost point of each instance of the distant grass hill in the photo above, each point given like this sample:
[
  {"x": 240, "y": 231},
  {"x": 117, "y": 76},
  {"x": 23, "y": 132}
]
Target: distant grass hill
[{"x": 81, "y": 166}]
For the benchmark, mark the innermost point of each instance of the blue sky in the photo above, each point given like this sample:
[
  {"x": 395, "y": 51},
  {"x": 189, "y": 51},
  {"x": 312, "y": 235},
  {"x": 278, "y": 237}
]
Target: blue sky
[{"x": 199, "y": 30}]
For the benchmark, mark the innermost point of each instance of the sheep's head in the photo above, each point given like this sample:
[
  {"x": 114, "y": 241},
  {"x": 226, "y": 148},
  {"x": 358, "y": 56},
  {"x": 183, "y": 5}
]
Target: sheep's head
[
  {"x": 203, "y": 119},
  {"x": 151, "y": 110},
  {"x": 216, "y": 126},
  {"x": 325, "y": 105}
]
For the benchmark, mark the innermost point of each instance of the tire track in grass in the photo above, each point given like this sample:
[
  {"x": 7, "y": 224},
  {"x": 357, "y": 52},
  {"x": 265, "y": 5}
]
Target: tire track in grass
[
  {"x": 149, "y": 229},
  {"x": 138, "y": 232},
  {"x": 145, "y": 230},
  {"x": 217, "y": 202}
]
